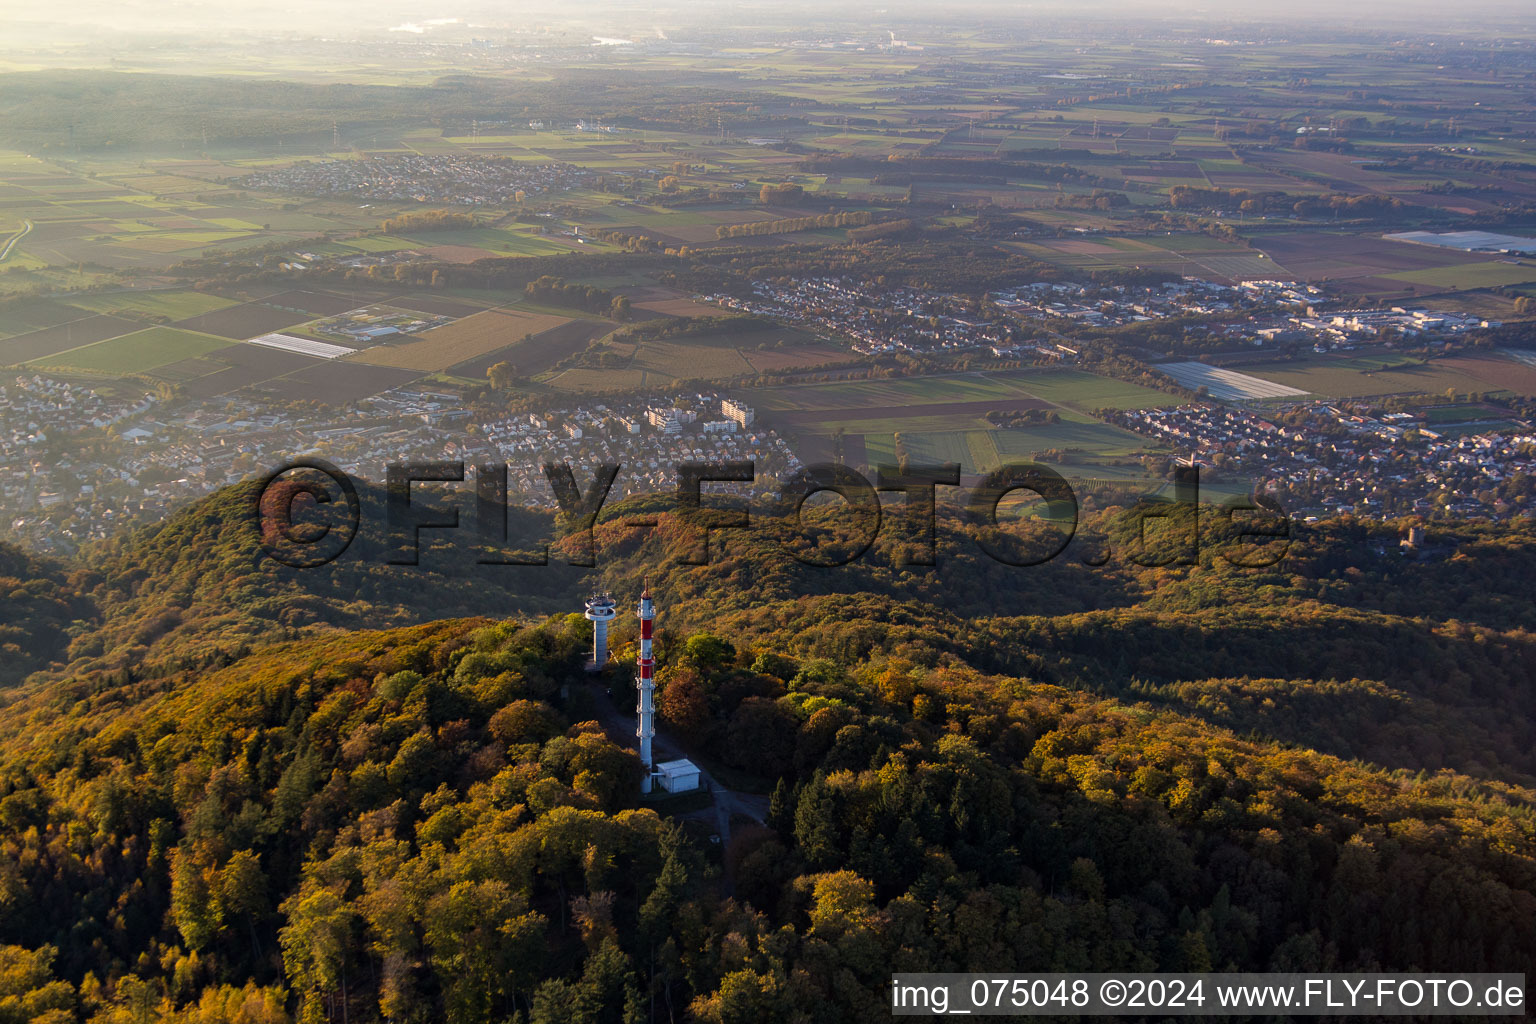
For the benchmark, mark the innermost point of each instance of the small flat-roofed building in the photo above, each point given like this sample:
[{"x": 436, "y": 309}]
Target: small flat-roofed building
[{"x": 680, "y": 776}]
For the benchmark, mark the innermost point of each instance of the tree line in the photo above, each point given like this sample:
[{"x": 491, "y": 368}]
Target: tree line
[
  {"x": 428, "y": 220},
  {"x": 787, "y": 225}
]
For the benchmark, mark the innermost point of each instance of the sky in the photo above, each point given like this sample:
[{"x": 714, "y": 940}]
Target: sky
[{"x": 79, "y": 23}]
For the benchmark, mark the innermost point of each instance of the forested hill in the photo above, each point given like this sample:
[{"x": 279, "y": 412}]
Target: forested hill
[
  {"x": 201, "y": 584},
  {"x": 38, "y": 606},
  {"x": 247, "y": 793},
  {"x": 415, "y": 825},
  {"x": 1344, "y": 644}
]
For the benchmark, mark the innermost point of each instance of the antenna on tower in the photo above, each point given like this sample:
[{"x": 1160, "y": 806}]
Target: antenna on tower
[{"x": 335, "y": 136}]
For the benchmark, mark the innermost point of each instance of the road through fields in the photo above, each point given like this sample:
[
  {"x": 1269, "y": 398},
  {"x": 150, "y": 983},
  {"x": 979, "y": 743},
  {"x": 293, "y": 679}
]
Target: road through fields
[{"x": 26, "y": 227}]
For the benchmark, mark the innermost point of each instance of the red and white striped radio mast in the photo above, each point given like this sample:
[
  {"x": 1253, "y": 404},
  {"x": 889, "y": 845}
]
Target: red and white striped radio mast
[{"x": 647, "y": 683}]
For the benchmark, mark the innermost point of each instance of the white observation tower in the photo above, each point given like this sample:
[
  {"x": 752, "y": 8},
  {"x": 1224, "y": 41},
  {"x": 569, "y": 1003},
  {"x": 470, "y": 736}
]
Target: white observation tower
[{"x": 600, "y": 609}]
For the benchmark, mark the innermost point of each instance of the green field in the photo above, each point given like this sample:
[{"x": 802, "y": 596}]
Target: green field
[
  {"x": 179, "y": 305},
  {"x": 853, "y": 395},
  {"x": 1071, "y": 389},
  {"x": 1076, "y": 389},
  {"x": 684, "y": 360},
  {"x": 1495, "y": 274},
  {"x": 138, "y": 352},
  {"x": 499, "y": 240},
  {"x": 941, "y": 418},
  {"x": 1195, "y": 255},
  {"x": 980, "y": 451},
  {"x": 717, "y": 356},
  {"x": 175, "y": 241},
  {"x": 917, "y": 422},
  {"x": 380, "y": 243}
]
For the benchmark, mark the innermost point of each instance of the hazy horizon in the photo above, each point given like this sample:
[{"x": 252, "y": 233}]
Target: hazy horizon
[{"x": 81, "y": 24}]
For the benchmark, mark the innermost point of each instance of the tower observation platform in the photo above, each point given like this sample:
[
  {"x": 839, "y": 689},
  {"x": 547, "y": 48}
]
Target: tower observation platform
[{"x": 601, "y": 611}]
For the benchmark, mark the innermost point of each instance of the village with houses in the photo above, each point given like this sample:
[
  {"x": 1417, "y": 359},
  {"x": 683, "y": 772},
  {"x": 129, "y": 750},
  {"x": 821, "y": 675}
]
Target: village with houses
[
  {"x": 1256, "y": 313},
  {"x": 461, "y": 181},
  {"x": 135, "y": 462},
  {"x": 1326, "y": 458}
]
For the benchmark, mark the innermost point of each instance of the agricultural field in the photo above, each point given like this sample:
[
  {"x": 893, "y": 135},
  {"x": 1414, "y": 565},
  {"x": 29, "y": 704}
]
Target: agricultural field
[
  {"x": 981, "y": 451},
  {"x": 721, "y": 355},
  {"x": 1346, "y": 376},
  {"x": 1190, "y": 255},
  {"x": 281, "y": 375},
  {"x": 177, "y": 305},
  {"x": 208, "y": 349},
  {"x": 91, "y": 205},
  {"x": 942, "y": 418},
  {"x": 320, "y": 303},
  {"x": 1063, "y": 130},
  {"x": 472, "y": 244},
  {"x": 688, "y": 358},
  {"x": 1498, "y": 372},
  {"x": 139, "y": 352},
  {"x": 792, "y": 355},
  {"x": 335, "y": 382},
  {"x": 591, "y": 379},
  {"x": 26, "y": 315},
  {"x": 534, "y": 355},
  {"x": 669, "y": 302},
  {"x": 113, "y": 214},
  {"x": 1080, "y": 391},
  {"x": 247, "y": 320},
  {"x": 901, "y": 392},
  {"x": 233, "y": 368},
  {"x": 656, "y": 364},
  {"x": 1070, "y": 389},
  {"x": 1361, "y": 264},
  {"x": 437, "y": 304},
  {"x": 50, "y": 341},
  {"x": 127, "y": 218},
  {"x": 1481, "y": 274},
  {"x": 459, "y": 342}
]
